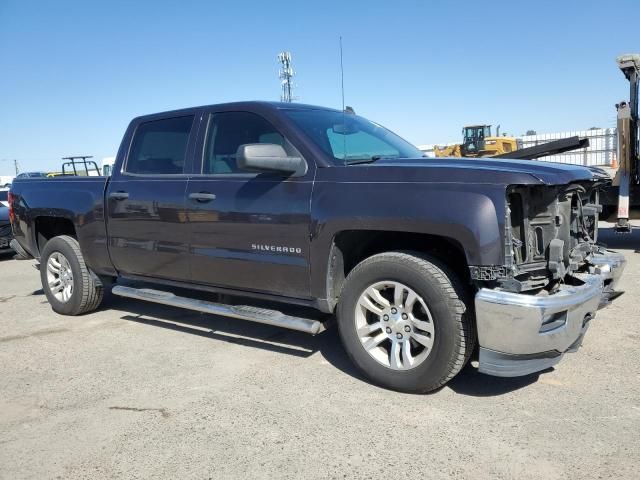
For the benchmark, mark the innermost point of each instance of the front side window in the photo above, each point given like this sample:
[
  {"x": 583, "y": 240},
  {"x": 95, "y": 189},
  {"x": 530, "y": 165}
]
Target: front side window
[
  {"x": 348, "y": 138},
  {"x": 159, "y": 147},
  {"x": 473, "y": 133},
  {"x": 227, "y": 131}
]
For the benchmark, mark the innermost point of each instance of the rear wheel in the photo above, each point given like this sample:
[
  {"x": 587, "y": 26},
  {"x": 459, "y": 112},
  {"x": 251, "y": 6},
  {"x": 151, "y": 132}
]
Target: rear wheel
[
  {"x": 404, "y": 321},
  {"x": 70, "y": 287}
]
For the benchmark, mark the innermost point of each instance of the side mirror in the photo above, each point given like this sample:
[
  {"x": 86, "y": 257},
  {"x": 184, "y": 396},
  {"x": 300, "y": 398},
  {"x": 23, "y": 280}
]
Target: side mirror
[{"x": 268, "y": 157}]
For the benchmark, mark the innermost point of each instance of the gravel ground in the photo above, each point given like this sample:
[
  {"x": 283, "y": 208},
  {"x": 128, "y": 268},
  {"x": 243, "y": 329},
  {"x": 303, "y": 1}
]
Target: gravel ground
[{"x": 137, "y": 390}]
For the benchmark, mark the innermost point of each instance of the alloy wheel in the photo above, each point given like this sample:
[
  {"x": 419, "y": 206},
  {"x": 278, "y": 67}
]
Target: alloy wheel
[{"x": 394, "y": 325}]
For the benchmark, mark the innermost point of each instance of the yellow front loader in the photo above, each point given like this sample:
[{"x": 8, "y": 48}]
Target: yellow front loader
[{"x": 477, "y": 141}]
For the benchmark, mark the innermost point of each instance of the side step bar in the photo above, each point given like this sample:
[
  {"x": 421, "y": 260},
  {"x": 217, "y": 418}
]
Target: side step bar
[{"x": 254, "y": 314}]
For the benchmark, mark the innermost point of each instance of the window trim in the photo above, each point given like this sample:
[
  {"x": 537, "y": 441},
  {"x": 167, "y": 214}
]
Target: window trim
[{"x": 190, "y": 139}]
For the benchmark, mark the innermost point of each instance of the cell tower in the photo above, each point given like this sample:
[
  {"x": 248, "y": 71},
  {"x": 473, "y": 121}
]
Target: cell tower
[{"x": 286, "y": 75}]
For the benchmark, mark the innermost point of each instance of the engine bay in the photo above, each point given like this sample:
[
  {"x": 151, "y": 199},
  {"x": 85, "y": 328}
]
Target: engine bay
[{"x": 550, "y": 233}]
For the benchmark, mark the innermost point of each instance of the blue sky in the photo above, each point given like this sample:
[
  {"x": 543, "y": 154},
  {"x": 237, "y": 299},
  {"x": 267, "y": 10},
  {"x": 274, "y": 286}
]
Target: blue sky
[{"x": 73, "y": 73}]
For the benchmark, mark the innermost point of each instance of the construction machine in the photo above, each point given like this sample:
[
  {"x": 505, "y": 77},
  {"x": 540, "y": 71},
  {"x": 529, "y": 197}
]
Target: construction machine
[
  {"x": 624, "y": 193},
  {"x": 478, "y": 141}
]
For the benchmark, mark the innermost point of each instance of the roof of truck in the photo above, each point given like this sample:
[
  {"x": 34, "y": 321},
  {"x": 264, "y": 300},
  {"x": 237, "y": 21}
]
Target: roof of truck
[{"x": 252, "y": 104}]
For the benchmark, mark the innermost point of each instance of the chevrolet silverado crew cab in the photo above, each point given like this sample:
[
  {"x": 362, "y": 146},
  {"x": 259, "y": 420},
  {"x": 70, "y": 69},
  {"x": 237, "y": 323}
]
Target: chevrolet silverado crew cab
[{"x": 421, "y": 260}]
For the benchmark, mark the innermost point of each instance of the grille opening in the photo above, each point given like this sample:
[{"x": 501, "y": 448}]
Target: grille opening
[
  {"x": 518, "y": 227},
  {"x": 539, "y": 241}
]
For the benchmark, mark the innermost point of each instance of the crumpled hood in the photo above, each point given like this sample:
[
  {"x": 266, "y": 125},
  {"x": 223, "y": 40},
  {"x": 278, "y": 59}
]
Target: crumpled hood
[{"x": 486, "y": 169}]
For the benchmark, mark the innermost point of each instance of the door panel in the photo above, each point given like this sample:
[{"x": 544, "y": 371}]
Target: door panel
[
  {"x": 147, "y": 220},
  {"x": 249, "y": 231},
  {"x": 254, "y": 235},
  {"x": 148, "y": 232}
]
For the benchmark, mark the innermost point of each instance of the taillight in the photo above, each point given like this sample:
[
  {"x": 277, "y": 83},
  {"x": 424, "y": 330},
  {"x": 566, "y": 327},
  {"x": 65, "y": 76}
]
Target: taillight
[{"x": 11, "y": 198}]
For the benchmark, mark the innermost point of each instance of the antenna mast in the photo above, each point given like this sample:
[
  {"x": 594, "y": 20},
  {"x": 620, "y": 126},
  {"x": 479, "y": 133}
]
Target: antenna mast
[
  {"x": 341, "y": 75},
  {"x": 286, "y": 75}
]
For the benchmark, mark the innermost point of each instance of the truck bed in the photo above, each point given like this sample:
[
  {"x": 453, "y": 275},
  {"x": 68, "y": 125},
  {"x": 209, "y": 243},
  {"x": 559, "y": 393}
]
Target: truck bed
[{"x": 78, "y": 200}]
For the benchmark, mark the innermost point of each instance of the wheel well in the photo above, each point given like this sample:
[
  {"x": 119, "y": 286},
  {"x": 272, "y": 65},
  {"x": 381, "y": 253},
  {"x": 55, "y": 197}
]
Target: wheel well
[
  {"x": 49, "y": 227},
  {"x": 352, "y": 246}
]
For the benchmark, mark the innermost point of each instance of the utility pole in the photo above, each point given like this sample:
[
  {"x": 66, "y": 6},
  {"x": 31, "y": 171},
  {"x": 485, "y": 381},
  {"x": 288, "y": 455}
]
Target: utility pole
[
  {"x": 286, "y": 75},
  {"x": 15, "y": 164}
]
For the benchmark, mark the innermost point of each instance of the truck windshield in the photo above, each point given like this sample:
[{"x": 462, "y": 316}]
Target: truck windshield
[{"x": 349, "y": 139}]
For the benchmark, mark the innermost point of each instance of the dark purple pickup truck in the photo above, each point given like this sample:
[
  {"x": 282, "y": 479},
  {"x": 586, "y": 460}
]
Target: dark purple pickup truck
[{"x": 421, "y": 260}]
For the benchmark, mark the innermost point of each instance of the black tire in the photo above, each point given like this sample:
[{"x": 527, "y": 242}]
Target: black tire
[
  {"x": 87, "y": 290},
  {"x": 445, "y": 297}
]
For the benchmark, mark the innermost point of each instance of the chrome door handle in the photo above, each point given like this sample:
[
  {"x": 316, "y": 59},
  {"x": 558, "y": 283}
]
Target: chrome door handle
[
  {"x": 119, "y": 195},
  {"x": 202, "y": 196}
]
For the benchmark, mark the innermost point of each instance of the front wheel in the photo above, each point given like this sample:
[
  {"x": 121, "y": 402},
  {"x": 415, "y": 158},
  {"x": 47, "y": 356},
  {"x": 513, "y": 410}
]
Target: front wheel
[
  {"x": 70, "y": 287},
  {"x": 404, "y": 321}
]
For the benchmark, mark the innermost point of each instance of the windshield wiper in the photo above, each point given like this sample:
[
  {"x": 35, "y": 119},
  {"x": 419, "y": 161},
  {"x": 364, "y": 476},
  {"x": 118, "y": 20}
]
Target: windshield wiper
[
  {"x": 358, "y": 162},
  {"x": 373, "y": 159}
]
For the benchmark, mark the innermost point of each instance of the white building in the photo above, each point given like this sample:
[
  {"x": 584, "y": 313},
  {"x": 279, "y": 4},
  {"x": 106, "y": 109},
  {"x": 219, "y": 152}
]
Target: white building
[{"x": 601, "y": 149}]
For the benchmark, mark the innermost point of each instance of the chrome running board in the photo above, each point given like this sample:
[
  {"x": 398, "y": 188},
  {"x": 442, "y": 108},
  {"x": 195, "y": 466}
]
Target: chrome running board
[{"x": 241, "y": 312}]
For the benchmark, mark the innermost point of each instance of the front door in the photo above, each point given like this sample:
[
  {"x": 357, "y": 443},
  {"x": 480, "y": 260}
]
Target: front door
[
  {"x": 249, "y": 231},
  {"x": 147, "y": 220}
]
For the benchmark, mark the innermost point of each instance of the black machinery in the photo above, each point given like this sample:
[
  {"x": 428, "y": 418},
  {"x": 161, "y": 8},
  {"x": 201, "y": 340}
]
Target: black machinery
[
  {"x": 627, "y": 179},
  {"x": 79, "y": 166}
]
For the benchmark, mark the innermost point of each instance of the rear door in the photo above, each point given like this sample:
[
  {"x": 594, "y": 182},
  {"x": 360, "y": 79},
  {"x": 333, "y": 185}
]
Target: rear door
[
  {"x": 147, "y": 221},
  {"x": 249, "y": 231}
]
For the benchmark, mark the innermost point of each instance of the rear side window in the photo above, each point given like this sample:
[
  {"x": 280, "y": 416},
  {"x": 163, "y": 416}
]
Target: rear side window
[{"x": 160, "y": 147}]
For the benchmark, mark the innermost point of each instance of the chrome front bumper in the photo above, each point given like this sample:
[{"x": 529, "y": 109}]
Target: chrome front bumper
[{"x": 520, "y": 334}]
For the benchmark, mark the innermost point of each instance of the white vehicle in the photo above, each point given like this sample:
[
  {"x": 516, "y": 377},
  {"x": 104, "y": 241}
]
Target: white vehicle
[
  {"x": 6, "y": 180},
  {"x": 4, "y": 197},
  {"x": 107, "y": 165}
]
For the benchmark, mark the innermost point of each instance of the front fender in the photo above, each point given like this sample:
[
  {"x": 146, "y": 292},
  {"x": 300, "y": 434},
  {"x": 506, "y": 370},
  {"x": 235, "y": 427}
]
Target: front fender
[{"x": 470, "y": 215}]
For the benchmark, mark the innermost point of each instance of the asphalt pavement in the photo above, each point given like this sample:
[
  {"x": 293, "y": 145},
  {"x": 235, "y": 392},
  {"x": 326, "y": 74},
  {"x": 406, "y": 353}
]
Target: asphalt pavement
[{"x": 137, "y": 390}]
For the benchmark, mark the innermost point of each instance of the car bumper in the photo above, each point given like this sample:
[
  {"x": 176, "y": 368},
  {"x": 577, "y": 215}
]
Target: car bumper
[{"x": 521, "y": 334}]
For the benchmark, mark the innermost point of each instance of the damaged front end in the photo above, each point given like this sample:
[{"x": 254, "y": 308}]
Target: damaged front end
[
  {"x": 551, "y": 235},
  {"x": 538, "y": 305}
]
